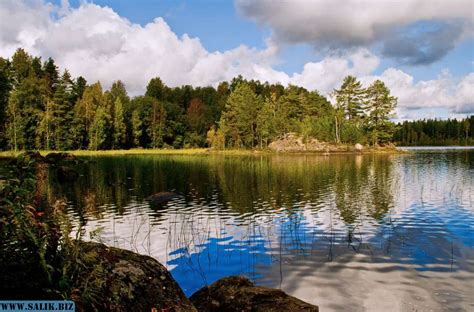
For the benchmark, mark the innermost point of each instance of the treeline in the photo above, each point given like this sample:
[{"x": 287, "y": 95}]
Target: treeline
[
  {"x": 436, "y": 132},
  {"x": 42, "y": 107}
]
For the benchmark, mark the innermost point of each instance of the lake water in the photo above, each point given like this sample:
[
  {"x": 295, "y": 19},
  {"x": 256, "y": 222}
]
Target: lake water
[{"x": 347, "y": 232}]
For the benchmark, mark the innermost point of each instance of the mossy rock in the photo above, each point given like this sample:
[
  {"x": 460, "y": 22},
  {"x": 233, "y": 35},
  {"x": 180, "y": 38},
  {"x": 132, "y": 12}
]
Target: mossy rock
[
  {"x": 113, "y": 279},
  {"x": 238, "y": 294}
]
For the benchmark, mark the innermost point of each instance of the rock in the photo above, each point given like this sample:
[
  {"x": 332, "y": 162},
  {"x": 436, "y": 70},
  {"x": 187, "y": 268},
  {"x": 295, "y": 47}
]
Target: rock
[
  {"x": 113, "y": 279},
  {"x": 291, "y": 142},
  {"x": 56, "y": 158},
  {"x": 161, "y": 197},
  {"x": 238, "y": 294},
  {"x": 67, "y": 174},
  {"x": 358, "y": 147}
]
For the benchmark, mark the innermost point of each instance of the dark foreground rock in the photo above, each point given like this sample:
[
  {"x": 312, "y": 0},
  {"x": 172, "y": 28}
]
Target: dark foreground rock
[
  {"x": 238, "y": 294},
  {"x": 114, "y": 279}
]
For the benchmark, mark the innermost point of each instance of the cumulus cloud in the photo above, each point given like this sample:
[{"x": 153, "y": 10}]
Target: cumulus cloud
[
  {"x": 97, "y": 43},
  {"x": 413, "y": 31}
]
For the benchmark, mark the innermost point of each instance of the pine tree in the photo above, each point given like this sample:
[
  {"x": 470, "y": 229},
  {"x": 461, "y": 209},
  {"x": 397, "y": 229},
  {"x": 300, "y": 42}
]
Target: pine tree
[
  {"x": 238, "y": 121},
  {"x": 380, "y": 106},
  {"x": 350, "y": 98}
]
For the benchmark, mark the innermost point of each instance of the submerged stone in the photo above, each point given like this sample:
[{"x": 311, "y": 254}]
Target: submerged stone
[
  {"x": 161, "y": 197},
  {"x": 238, "y": 294}
]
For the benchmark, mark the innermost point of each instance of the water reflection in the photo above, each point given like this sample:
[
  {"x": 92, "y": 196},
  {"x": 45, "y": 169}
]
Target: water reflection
[{"x": 311, "y": 225}]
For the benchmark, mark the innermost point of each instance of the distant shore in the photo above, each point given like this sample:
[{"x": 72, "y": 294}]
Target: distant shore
[{"x": 207, "y": 151}]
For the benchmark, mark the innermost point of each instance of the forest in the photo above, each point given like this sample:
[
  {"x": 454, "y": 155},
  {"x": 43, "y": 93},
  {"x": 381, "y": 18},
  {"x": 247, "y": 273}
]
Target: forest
[
  {"x": 436, "y": 132},
  {"x": 43, "y": 107}
]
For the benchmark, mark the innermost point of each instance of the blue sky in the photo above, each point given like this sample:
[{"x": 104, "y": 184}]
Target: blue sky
[
  {"x": 423, "y": 49},
  {"x": 220, "y": 27}
]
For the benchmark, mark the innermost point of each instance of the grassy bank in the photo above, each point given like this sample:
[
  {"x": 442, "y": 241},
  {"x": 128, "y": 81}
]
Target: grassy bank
[
  {"x": 185, "y": 151},
  {"x": 202, "y": 151}
]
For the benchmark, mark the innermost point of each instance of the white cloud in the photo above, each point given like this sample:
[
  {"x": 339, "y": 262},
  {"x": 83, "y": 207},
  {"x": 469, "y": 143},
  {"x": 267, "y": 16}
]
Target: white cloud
[
  {"x": 97, "y": 43},
  {"x": 330, "y": 24}
]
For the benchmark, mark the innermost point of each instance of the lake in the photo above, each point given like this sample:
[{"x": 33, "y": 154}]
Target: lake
[{"x": 345, "y": 232}]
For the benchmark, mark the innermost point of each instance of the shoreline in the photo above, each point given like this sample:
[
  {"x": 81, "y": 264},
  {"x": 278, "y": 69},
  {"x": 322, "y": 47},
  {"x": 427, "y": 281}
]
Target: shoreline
[{"x": 209, "y": 152}]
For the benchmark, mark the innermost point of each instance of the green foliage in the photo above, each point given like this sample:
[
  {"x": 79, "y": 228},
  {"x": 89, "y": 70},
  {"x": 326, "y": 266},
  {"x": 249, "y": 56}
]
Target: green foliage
[
  {"x": 380, "y": 106},
  {"x": 216, "y": 138},
  {"x": 100, "y": 129},
  {"x": 119, "y": 126},
  {"x": 352, "y": 133},
  {"x": 350, "y": 98},
  {"x": 41, "y": 109},
  {"x": 238, "y": 121},
  {"x": 436, "y": 132}
]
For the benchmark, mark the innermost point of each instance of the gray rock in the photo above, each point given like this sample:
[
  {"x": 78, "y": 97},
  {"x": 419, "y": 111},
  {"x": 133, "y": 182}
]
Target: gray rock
[
  {"x": 238, "y": 294},
  {"x": 113, "y": 279}
]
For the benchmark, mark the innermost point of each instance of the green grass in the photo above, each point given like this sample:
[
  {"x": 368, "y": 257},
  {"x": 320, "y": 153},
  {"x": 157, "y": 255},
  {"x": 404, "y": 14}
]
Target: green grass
[
  {"x": 192, "y": 151},
  {"x": 185, "y": 151}
]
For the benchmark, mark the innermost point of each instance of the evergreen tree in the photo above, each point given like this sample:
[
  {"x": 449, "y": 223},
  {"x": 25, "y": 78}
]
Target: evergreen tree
[
  {"x": 50, "y": 75},
  {"x": 380, "y": 106},
  {"x": 157, "y": 89},
  {"x": 21, "y": 67},
  {"x": 350, "y": 98},
  {"x": 238, "y": 121}
]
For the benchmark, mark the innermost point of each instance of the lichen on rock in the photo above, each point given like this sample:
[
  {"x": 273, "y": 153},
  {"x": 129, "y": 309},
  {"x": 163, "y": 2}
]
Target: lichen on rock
[{"x": 113, "y": 279}]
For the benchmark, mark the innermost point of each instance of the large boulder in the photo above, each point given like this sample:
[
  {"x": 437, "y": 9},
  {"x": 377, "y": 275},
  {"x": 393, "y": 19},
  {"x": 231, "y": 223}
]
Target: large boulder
[
  {"x": 358, "y": 147},
  {"x": 238, "y": 294},
  {"x": 113, "y": 279}
]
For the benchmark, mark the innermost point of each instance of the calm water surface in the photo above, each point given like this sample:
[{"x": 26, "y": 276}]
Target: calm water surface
[{"x": 354, "y": 232}]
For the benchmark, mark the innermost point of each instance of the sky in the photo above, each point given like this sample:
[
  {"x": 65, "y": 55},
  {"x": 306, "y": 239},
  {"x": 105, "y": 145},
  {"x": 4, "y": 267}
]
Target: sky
[{"x": 422, "y": 49}]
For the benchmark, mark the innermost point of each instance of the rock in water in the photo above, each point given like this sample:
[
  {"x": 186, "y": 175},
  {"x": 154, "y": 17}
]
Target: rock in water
[
  {"x": 238, "y": 294},
  {"x": 358, "y": 147},
  {"x": 113, "y": 279},
  {"x": 161, "y": 197},
  {"x": 67, "y": 174}
]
